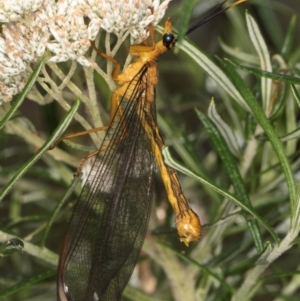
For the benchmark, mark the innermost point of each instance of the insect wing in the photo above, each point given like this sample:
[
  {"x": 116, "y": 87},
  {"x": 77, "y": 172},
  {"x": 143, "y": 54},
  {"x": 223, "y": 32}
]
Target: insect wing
[{"x": 110, "y": 218}]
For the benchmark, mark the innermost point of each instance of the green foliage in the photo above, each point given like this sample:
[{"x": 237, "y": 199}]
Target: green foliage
[{"x": 239, "y": 152}]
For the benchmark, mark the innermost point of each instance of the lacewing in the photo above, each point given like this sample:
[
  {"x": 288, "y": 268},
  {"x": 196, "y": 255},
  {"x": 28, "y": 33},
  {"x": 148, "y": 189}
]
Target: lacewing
[{"x": 110, "y": 219}]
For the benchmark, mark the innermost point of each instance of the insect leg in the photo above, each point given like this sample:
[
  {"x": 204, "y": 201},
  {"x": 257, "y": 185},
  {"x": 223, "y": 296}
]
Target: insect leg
[
  {"x": 115, "y": 110},
  {"x": 117, "y": 68},
  {"x": 78, "y": 134}
]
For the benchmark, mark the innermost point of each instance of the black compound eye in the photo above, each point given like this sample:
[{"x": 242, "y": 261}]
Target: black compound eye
[{"x": 168, "y": 40}]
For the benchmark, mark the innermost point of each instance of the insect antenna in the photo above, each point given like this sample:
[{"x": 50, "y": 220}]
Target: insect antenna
[{"x": 215, "y": 12}]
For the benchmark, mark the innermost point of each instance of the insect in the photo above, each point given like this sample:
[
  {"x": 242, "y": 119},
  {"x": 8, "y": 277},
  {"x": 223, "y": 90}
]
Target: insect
[{"x": 110, "y": 219}]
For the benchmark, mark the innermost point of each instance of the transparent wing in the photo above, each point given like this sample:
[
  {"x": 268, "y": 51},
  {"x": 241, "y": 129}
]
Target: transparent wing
[{"x": 110, "y": 219}]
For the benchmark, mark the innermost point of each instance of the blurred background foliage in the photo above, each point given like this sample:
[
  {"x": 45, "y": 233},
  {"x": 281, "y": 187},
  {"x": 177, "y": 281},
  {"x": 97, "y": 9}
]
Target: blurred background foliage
[{"x": 236, "y": 256}]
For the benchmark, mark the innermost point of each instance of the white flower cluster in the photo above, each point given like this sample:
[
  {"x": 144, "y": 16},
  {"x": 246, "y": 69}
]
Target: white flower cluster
[
  {"x": 64, "y": 28},
  {"x": 119, "y": 16}
]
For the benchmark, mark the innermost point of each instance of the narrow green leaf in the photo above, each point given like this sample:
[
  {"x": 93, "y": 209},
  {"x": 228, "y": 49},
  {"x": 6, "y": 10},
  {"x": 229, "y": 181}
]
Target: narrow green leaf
[
  {"x": 186, "y": 11},
  {"x": 268, "y": 129},
  {"x": 279, "y": 276},
  {"x": 173, "y": 163},
  {"x": 23, "y": 284},
  {"x": 231, "y": 167},
  {"x": 281, "y": 93},
  {"x": 242, "y": 56},
  {"x": 266, "y": 11},
  {"x": 296, "y": 94},
  {"x": 290, "y": 136},
  {"x": 258, "y": 72},
  {"x": 264, "y": 57},
  {"x": 60, "y": 129},
  {"x": 22, "y": 95},
  {"x": 224, "y": 129},
  {"x": 57, "y": 209},
  {"x": 289, "y": 39}
]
